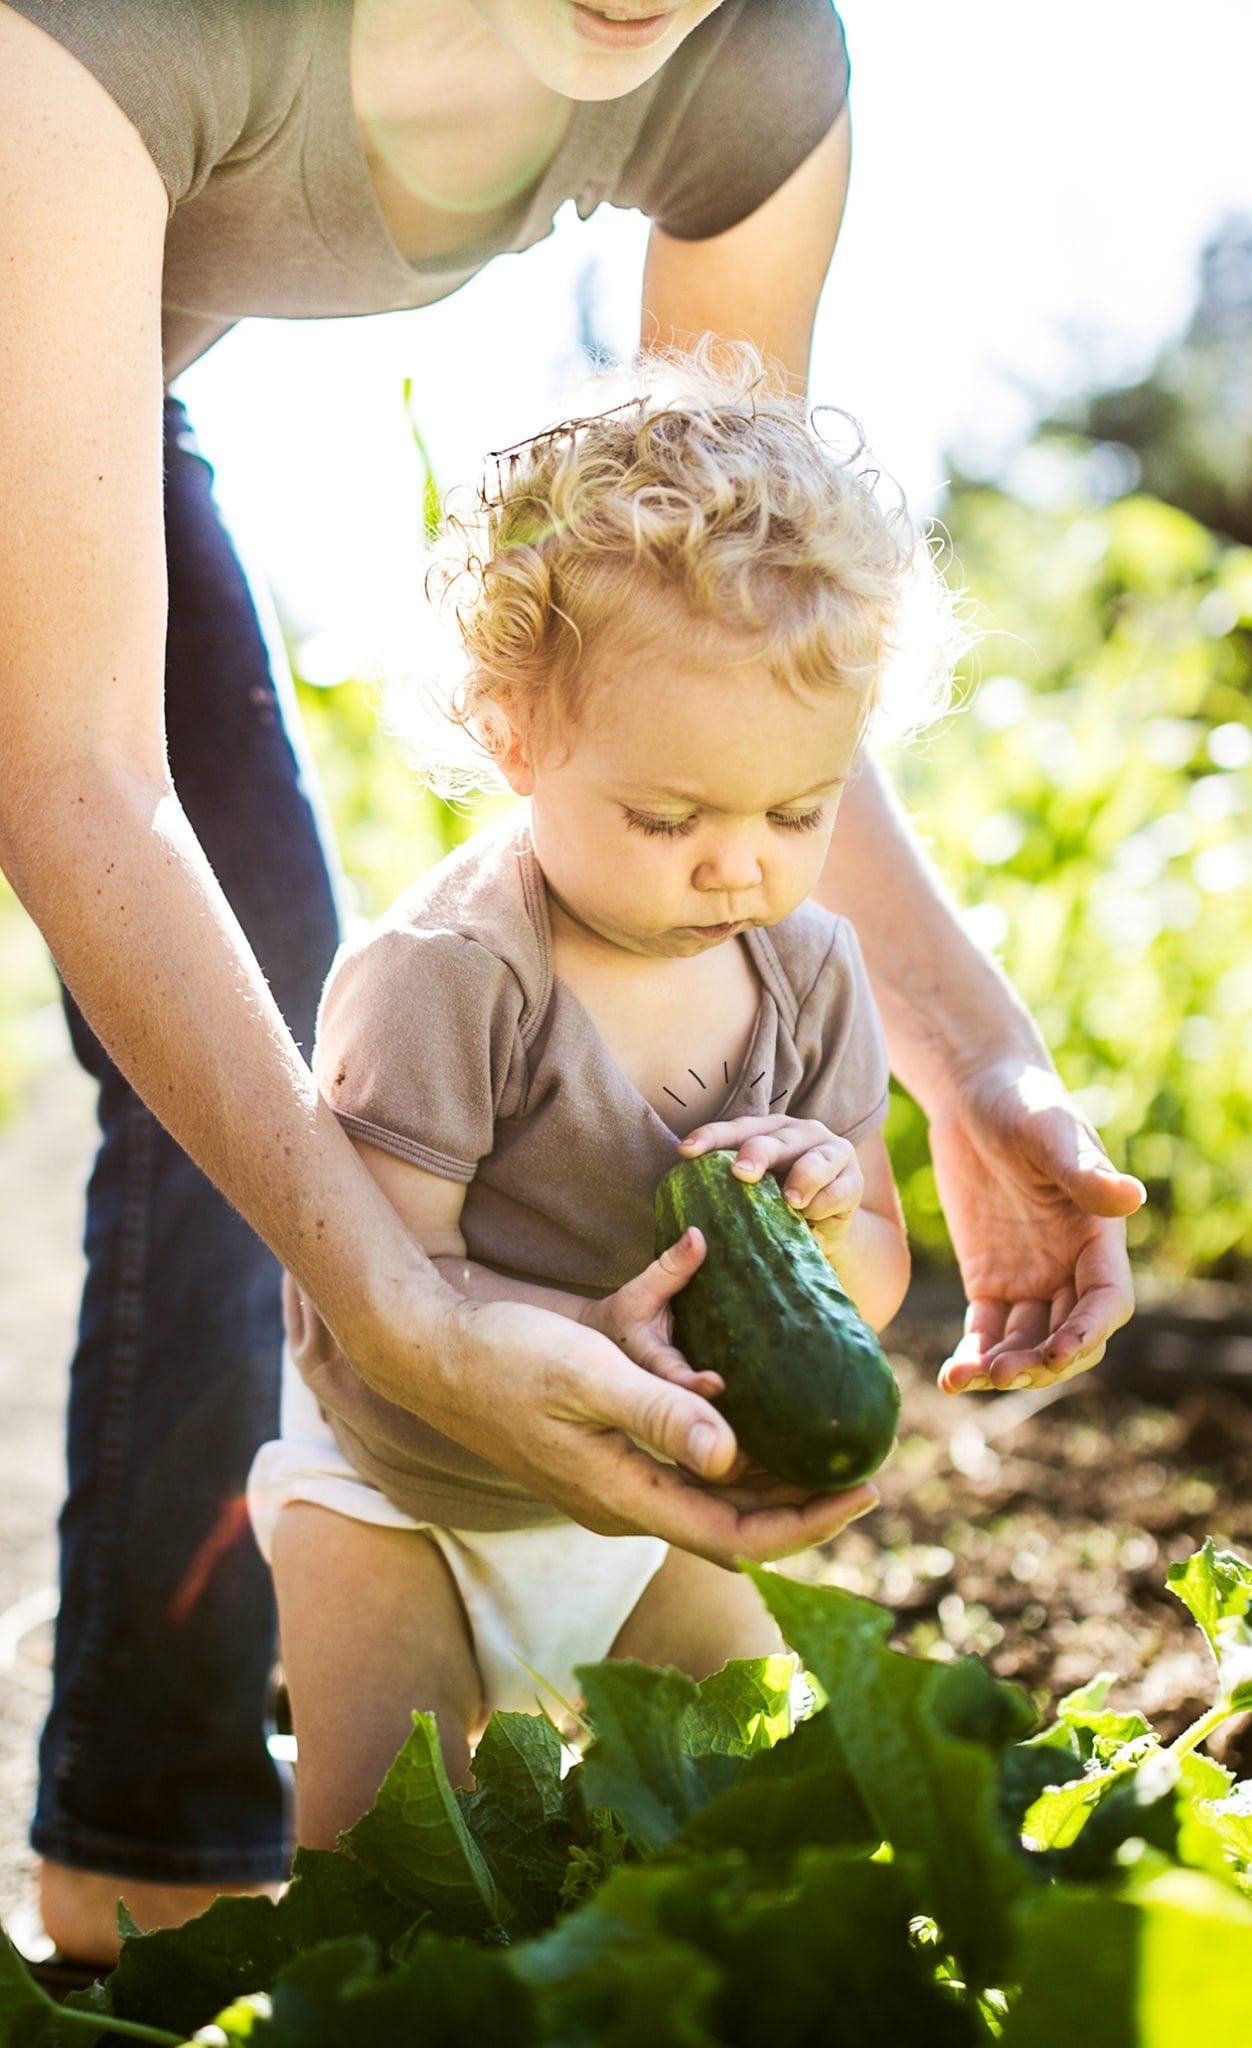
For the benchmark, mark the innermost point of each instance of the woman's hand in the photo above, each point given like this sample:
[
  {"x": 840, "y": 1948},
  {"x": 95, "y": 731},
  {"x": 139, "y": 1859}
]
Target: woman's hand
[
  {"x": 1035, "y": 1209},
  {"x": 558, "y": 1407}
]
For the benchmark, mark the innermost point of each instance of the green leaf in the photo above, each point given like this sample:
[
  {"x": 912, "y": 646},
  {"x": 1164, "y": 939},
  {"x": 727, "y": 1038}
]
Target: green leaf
[
  {"x": 30, "y": 2019},
  {"x": 1028, "y": 1770},
  {"x": 825, "y": 1959},
  {"x": 1216, "y": 1830},
  {"x": 448, "y": 1994},
  {"x": 638, "y": 1763},
  {"x": 1063, "y": 1809},
  {"x": 1163, "y": 1965},
  {"x": 1216, "y": 1586},
  {"x": 182, "y": 1976},
  {"x": 1087, "y": 1728},
  {"x": 743, "y": 1708},
  {"x": 923, "y": 1742},
  {"x": 610, "y": 1977},
  {"x": 664, "y": 1746},
  {"x": 523, "y": 1816},
  {"x": 1143, "y": 1806},
  {"x": 800, "y": 1794},
  {"x": 415, "y": 1841},
  {"x": 829, "y": 1959}
]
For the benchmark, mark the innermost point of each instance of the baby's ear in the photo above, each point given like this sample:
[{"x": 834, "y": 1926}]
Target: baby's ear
[{"x": 514, "y": 764}]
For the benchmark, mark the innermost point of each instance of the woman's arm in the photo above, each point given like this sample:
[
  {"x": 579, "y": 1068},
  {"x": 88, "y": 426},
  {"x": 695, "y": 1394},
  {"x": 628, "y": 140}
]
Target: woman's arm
[
  {"x": 91, "y": 832},
  {"x": 1032, "y": 1202},
  {"x": 99, "y": 850},
  {"x": 761, "y": 280}
]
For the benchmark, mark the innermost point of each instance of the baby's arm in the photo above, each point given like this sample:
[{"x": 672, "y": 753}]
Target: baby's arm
[
  {"x": 868, "y": 1247},
  {"x": 635, "y": 1317},
  {"x": 429, "y": 1206}
]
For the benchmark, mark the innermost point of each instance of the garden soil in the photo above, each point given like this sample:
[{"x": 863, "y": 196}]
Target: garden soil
[{"x": 1034, "y": 1530}]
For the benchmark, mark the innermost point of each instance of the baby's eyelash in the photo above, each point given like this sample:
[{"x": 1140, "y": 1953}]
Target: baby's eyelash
[
  {"x": 807, "y": 821},
  {"x": 636, "y": 822}
]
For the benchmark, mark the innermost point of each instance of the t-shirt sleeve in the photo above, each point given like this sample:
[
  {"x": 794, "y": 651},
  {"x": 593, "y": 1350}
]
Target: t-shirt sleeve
[
  {"x": 418, "y": 1048},
  {"x": 743, "y": 102},
  {"x": 182, "y": 72},
  {"x": 839, "y": 1039}
]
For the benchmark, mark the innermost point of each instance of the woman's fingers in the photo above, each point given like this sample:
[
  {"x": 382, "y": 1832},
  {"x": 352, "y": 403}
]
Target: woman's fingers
[
  {"x": 963, "y": 1372},
  {"x": 718, "y": 1527}
]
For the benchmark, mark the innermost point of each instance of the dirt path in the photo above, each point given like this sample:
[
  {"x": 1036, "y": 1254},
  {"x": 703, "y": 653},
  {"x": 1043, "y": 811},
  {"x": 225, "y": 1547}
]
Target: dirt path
[{"x": 44, "y": 1155}]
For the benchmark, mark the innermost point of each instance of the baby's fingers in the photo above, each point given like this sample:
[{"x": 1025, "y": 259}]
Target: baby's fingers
[
  {"x": 826, "y": 1182},
  {"x": 669, "y": 1364},
  {"x": 728, "y": 1135}
]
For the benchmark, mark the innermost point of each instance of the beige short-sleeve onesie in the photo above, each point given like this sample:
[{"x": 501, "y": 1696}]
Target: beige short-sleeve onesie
[{"x": 445, "y": 1038}]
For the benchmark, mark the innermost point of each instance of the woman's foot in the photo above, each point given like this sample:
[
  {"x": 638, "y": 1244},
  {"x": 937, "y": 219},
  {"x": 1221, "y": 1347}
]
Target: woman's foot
[{"x": 79, "y": 1907}]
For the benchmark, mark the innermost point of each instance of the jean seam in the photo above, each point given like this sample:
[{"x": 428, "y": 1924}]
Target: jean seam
[
  {"x": 125, "y": 1355},
  {"x": 122, "y": 1857}
]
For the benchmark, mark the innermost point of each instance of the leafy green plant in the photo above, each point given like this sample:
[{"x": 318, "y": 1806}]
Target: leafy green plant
[{"x": 908, "y": 1858}]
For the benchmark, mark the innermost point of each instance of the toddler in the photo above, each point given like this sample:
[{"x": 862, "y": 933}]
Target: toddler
[{"x": 678, "y": 618}]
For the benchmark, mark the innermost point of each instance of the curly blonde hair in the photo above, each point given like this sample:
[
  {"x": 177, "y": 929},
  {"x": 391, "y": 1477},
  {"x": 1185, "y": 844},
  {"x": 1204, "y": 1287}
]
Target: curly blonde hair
[{"x": 708, "y": 490}]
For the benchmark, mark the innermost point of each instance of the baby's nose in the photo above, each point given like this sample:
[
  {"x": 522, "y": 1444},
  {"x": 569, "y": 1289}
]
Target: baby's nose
[{"x": 730, "y": 870}]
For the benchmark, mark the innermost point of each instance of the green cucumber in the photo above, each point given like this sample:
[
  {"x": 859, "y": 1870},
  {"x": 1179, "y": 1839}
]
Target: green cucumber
[{"x": 808, "y": 1391}]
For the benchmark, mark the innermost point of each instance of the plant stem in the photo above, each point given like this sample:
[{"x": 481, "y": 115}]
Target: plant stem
[{"x": 1200, "y": 1730}]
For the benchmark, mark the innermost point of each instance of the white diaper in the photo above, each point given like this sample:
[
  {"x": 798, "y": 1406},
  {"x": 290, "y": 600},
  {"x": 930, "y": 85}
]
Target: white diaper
[{"x": 550, "y": 1597}]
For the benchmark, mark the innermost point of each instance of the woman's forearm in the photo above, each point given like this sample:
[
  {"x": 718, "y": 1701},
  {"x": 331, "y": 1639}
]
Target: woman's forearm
[
  {"x": 946, "y": 1007},
  {"x": 110, "y": 870}
]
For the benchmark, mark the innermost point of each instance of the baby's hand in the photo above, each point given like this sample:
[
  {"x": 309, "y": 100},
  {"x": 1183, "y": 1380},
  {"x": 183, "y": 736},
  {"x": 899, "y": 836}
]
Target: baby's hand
[
  {"x": 820, "y": 1173},
  {"x": 638, "y": 1317}
]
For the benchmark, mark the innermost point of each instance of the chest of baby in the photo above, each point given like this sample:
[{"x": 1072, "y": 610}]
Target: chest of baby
[{"x": 565, "y": 1198}]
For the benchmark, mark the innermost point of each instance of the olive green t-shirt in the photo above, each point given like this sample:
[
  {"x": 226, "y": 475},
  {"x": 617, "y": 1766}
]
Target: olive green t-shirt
[{"x": 246, "y": 108}]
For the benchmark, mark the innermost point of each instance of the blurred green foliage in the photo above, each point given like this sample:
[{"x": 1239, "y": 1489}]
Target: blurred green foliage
[
  {"x": 1091, "y": 805},
  {"x": 389, "y": 829},
  {"x": 1186, "y": 424}
]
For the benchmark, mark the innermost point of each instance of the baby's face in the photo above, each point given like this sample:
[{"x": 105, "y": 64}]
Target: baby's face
[
  {"x": 697, "y": 798},
  {"x": 596, "y": 51}
]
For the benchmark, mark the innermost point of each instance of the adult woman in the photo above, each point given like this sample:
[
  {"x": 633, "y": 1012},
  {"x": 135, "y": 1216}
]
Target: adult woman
[{"x": 314, "y": 158}]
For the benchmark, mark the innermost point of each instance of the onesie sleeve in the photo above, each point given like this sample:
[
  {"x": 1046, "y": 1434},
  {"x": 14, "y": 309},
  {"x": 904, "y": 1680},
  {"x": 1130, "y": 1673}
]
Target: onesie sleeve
[
  {"x": 743, "y": 102},
  {"x": 183, "y": 73},
  {"x": 839, "y": 1039},
  {"x": 418, "y": 1049}
]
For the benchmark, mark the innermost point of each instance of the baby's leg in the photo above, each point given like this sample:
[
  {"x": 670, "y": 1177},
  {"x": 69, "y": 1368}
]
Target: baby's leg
[
  {"x": 697, "y": 1616},
  {"x": 372, "y": 1626}
]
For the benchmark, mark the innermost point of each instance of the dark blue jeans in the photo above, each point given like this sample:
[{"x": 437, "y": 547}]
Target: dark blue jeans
[{"x": 153, "y": 1760}]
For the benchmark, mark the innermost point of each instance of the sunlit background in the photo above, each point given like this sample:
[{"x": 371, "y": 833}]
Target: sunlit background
[
  {"x": 1032, "y": 193},
  {"x": 1031, "y": 190}
]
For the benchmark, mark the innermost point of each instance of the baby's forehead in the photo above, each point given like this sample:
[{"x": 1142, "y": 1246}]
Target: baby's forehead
[{"x": 665, "y": 723}]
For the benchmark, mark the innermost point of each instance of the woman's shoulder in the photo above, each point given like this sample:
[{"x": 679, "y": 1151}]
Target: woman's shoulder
[
  {"x": 738, "y": 107},
  {"x": 198, "y": 83}
]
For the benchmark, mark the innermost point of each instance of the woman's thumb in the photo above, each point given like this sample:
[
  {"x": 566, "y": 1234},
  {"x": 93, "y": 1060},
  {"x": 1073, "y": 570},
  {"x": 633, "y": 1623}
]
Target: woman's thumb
[{"x": 1095, "y": 1184}]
